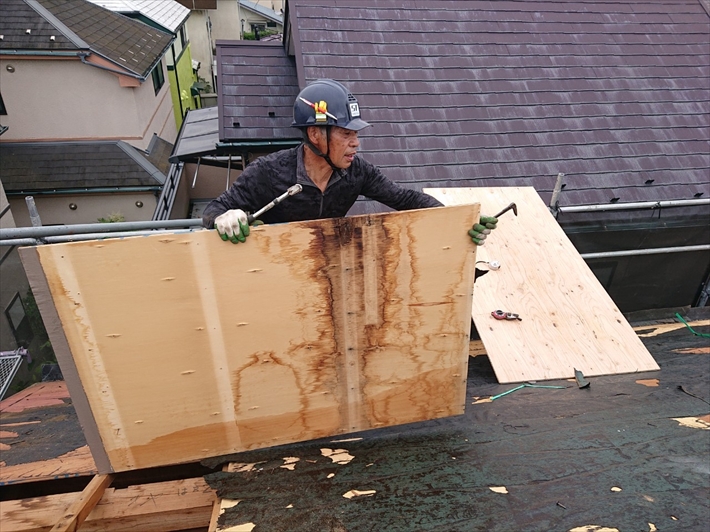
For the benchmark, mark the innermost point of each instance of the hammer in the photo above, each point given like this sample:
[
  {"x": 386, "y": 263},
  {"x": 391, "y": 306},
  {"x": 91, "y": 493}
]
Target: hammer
[
  {"x": 509, "y": 207},
  {"x": 292, "y": 191}
]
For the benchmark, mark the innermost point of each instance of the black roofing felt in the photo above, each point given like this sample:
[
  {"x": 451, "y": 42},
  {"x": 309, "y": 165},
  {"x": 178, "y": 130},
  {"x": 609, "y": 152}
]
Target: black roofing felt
[
  {"x": 50, "y": 166},
  {"x": 616, "y": 95},
  {"x": 81, "y": 25},
  {"x": 256, "y": 91}
]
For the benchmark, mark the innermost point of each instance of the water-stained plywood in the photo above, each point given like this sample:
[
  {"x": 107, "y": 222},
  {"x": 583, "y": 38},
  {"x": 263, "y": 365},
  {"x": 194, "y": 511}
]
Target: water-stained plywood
[
  {"x": 568, "y": 319},
  {"x": 187, "y": 347}
]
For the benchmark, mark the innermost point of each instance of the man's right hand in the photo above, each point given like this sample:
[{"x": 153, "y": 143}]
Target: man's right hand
[{"x": 233, "y": 225}]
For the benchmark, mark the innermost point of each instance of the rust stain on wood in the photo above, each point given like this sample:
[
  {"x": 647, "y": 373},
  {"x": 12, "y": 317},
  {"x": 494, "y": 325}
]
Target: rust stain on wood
[{"x": 351, "y": 323}]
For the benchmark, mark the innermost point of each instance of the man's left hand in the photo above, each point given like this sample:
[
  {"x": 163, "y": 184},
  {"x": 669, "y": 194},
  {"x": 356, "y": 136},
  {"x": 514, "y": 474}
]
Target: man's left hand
[{"x": 481, "y": 230}]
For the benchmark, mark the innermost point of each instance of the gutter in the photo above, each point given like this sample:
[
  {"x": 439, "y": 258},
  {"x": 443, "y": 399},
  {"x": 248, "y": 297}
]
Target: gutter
[
  {"x": 649, "y": 251},
  {"x": 98, "y": 190},
  {"x": 633, "y": 206}
]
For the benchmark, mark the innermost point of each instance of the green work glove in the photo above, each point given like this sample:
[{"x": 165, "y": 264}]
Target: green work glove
[
  {"x": 233, "y": 225},
  {"x": 481, "y": 230}
]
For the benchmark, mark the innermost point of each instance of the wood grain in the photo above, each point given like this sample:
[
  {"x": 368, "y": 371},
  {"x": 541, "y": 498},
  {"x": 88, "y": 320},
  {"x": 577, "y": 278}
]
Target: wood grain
[
  {"x": 159, "y": 507},
  {"x": 188, "y": 347},
  {"x": 568, "y": 319},
  {"x": 77, "y": 512}
]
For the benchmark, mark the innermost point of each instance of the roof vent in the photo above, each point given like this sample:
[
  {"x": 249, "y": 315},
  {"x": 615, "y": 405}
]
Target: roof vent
[
  {"x": 2, "y": 37},
  {"x": 28, "y": 31},
  {"x": 236, "y": 124},
  {"x": 52, "y": 38},
  {"x": 613, "y": 200},
  {"x": 272, "y": 114},
  {"x": 697, "y": 194},
  {"x": 649, "y": 181},
  {"x": 563, "y": 185}
]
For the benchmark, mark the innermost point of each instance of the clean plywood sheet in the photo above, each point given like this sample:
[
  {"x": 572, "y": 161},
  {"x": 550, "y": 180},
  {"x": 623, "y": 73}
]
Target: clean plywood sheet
[
  {"x": 188, "y": 347},
  {"x": 568, "y": 319}
]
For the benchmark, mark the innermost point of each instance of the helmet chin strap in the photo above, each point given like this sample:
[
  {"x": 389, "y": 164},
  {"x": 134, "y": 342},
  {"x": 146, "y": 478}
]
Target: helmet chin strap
[{"x": 319, "y": 153}]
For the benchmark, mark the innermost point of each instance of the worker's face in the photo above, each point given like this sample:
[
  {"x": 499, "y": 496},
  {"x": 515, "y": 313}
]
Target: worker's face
[{"x": 342, "y": 147}]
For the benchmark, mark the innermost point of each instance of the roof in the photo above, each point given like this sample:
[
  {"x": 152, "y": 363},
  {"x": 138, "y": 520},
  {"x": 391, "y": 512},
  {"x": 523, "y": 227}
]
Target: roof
[
  {"x": 557, "y": 452},
  {"x": 256, "y": 91},
  {"x": 56, "y": 166},
  {"x": 265, "y": 12},
  {"x": 166, "y": 13},
  {"x": 198, "y": 136},
  {"x": 79, "y": 25},
  {"x": 464, "y": 93}
]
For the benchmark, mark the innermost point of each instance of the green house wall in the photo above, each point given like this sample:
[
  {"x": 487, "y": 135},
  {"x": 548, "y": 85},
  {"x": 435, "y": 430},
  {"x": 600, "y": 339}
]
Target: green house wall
[{"x": 181, "y": 77}]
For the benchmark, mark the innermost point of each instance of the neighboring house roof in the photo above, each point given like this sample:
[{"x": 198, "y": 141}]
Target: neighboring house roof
[
  {"x": 35, "y": 167},
  {"x": 198, "y": 136},
  {"x": 256, "y": 90},
  {"x": 265, "y": 12},
  {"x": 168, "y": 14},
  {"x": 79, "y": 25},
  {"x": 468, "y": 93}
]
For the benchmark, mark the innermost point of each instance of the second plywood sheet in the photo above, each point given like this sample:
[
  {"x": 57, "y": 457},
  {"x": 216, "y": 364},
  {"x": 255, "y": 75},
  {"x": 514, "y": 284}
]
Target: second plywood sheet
[{"x": 568, "y": 320}]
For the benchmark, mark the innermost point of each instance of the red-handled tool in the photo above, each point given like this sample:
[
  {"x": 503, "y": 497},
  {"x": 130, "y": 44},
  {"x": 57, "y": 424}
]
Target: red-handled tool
[{"x": 502, "y": 315}]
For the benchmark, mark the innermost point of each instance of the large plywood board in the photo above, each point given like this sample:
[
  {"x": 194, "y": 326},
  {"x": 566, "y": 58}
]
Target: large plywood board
[
  {"x": 187, "y": 347},
  {"x": 568, "y": 319}
]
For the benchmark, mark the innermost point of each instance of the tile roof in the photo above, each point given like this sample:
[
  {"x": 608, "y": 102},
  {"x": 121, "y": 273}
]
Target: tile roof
[
  {"x": 615, "y": 95},
  {"x": 50, "y": 166},
  {"x": 80, "y": 25},
  {"x": 256, "y": 91},
  {"x": 166, "y": 13}
]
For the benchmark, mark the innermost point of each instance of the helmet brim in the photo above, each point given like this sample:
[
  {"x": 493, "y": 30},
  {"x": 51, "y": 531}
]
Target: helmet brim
[{"x": 356, "y": 124}]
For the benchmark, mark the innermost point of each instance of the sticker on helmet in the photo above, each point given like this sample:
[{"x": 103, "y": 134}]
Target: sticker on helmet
[{"x": 354, "y": 110}]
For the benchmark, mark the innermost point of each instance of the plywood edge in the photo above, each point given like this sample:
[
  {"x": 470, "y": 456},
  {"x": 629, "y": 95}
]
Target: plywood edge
[{"x": 40, "y": 288}]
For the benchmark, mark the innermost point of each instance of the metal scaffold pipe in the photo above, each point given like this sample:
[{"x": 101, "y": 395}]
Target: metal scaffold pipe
[
  {"x": 62, "y": 230},
  {"x": 633, "y": 206}
]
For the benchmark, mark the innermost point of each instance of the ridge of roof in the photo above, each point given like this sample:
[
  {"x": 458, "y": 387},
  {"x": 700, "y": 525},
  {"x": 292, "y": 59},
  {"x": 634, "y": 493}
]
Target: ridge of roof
[{"x": 54, "y": 21}]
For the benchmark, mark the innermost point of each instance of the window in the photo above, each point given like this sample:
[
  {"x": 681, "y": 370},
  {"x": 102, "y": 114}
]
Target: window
[
  {"x": 19, "y": 322},
  {"x": 183, "y": 37},
  {"x": 158, "y": 77}
]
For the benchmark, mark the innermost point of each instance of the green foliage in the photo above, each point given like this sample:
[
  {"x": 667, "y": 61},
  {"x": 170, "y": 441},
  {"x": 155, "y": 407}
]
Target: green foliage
[
  {"x": 112, "y": 218},
  {"x": 250, "y": 36},
  {"x": 41, "y": 338}
]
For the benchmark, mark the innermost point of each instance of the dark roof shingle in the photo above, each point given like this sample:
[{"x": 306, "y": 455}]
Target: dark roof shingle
[
  {"x": 467, "y": 93},
  {"x": 82, "y": 26},
  {"x": 257, "y": 88},
  {"x": 49, "y": 166}
]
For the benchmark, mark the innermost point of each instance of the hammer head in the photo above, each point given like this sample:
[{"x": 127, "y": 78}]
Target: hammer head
[{"x": 512, "y": 207}]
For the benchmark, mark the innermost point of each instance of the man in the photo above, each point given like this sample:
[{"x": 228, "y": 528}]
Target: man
[{"x": 326, "y": 165}]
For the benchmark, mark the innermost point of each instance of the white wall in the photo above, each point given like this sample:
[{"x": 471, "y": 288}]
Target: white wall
[
  {"x": 55, "y": 210},
  {"x": 226, "y": 25},
  {"x": 50, "y": 100}
]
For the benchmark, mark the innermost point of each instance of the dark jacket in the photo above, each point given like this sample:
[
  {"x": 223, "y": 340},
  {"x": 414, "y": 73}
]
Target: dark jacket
[{"x": 271, "y": 175}]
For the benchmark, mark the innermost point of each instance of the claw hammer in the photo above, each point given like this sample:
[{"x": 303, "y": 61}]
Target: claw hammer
[
  {"x": 292, "y": 191},
  {"x": 509, "y": 207}
]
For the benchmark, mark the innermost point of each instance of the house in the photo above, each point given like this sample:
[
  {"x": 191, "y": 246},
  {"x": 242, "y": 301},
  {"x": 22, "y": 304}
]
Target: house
[
  {"x": 465, "y": 94},
  {"x": 257, "y": 19},
  {"x": 213, "y": 20},
  {"x": 171, "y": 17},
  {"x": 87, "y": 121},
  {"x": 73, "y": 47}
]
